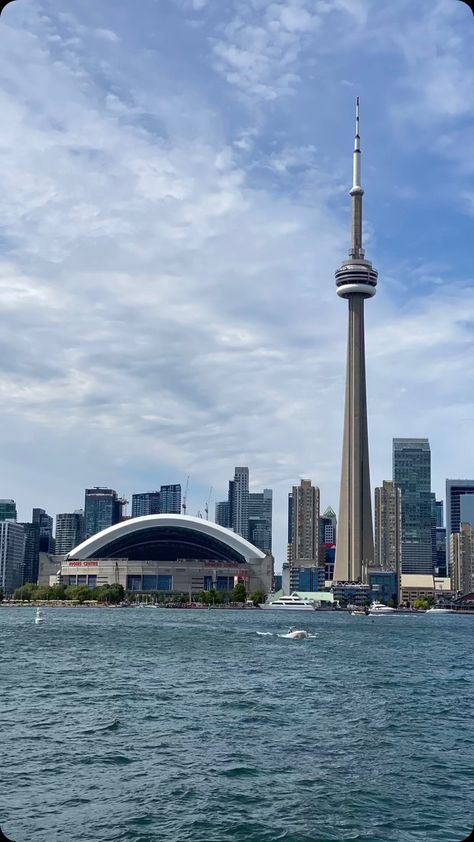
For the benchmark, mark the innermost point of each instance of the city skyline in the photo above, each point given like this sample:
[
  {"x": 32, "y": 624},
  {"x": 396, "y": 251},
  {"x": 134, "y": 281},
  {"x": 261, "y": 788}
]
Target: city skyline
[{"x": 167, "y": 287}]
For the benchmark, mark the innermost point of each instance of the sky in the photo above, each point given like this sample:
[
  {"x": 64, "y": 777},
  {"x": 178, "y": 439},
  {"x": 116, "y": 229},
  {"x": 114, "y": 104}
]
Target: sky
[{"x": 173, "y": 206}]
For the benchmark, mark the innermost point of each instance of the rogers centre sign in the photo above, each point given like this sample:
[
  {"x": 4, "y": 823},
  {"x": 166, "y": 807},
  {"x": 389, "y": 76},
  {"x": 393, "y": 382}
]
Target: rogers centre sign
[{"x": 83, "y": 563}]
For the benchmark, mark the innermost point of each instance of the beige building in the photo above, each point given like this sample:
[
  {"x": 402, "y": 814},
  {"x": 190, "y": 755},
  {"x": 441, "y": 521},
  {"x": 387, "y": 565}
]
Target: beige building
[
  {"x": 388, "y": 527},
  {"x": 461, "y": 552},
  {"x": 419, "y": 586},
  {"x": 303, "y": 518}
]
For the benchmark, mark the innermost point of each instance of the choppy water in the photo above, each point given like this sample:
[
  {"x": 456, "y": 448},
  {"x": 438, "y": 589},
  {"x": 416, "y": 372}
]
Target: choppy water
[{"x": 147, "y": 724}]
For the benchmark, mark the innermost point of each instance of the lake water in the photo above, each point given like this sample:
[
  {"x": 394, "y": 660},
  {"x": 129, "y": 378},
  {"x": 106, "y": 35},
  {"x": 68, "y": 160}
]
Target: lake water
[{"x": 175, "y": 725}]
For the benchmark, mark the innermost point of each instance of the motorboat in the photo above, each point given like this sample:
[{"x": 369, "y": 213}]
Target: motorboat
[
  {"x": 378, "y": 608},
  {"x": 40, "y": 617},
  {"x": 435, "y": 610},
  {"x": 297, "y": 634},
  {"x": 359, "y": 612},
  {"x": 290, "y": 603}
]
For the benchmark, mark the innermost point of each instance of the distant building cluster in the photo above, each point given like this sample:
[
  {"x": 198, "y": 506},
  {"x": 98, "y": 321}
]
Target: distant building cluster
[{"x": 417, "y": 550}]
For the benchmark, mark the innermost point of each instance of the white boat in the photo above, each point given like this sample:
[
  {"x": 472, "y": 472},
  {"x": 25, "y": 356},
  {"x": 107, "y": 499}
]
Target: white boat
[
  {"x": 290, "y": 603},
  {"x": 378, "y": 608},
  {"x": 440, "y": 611},
  {"x": 40, "y": 618},
  {"x": 359, "y": 612},
  {"x": 297, "y": 634}
]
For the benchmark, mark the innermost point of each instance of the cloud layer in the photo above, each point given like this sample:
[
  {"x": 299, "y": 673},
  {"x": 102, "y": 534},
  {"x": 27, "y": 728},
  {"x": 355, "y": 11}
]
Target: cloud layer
[{"x": 173, "y": 205}]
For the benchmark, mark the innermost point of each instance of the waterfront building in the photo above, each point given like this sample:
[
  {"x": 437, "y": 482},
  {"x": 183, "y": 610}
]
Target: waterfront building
[
  {"x": 147, "y": 503},
  {"x": 356, "y": 281},
  {"x": 171, "y": 554},
  {"x": 69, "y": 531},
  {"x": 12, "y": 554},
  {"x": 412, "y": 474},
  {"x": 8, "y": 510},
  {"x": 459, "y": 508},
  {"x": 260, "y": 506},
  {"x": 102, "y": 508},
  {"x": 328, "y": 556},
  {"x": 170, "y": 499},
  {"x": 422, "y": 586},
  {"x": 310, "y": 579},
  {"x": 388, "y": 527},
  {"x": 351, "y": 593},
  {"x": 462, "y": 559},
  {"x": 384, "y": 586}
]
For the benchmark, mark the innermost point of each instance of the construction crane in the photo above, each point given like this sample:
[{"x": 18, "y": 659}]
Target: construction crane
[
  {"x": 206, "y": 507},
  {"x": 184, "y": 504}
]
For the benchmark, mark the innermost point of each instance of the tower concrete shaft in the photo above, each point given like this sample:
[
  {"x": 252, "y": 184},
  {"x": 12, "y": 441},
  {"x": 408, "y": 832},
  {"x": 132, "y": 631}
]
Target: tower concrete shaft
[{"x": 355, "y": 280}]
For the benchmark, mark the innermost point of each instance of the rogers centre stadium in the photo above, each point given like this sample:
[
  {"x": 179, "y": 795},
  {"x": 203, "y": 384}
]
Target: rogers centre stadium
[{"x": 169, "y": 553}]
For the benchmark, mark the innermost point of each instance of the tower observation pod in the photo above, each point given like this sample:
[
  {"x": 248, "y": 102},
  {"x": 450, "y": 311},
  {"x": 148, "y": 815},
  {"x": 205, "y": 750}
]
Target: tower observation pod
[{"x": 356, "y": 280}]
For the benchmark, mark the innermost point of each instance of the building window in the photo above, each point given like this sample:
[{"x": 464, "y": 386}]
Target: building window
[
  {"x": 92, "y": 581},
  {"x": 165, "y": 583},
  {"x": 149, "y": 582},
  {"x": 134, "y": 583}
]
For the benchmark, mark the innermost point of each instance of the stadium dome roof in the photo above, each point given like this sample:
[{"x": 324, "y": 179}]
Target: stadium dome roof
[{"x": 168, "y": 538}]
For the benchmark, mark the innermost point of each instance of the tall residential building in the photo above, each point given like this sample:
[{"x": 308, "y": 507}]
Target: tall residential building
[
  {"x": 388, "y": 527},
  {"x": 69, "y": 531},
  {"x": 356, "y": 281},
  {"x": 12, "y": 552},
  {"x": 147, "y": 503},
  {"x": 260, "y": 519},
  {"x": 240, "y": 502},
  {"x": 304, "y": 524},
  {"x": 102, "y": 508},
  {"x": 45, "y": 524},
  {"x": 462, "y": 559},
  {"x": 223, "y": 514},
  {"x": 8, "y": 510},
  {"x": 31, "y": 555},
  {"x": 439, "y": 514},
  {"x": 459, "y": 508},
  {"x": 412, "y": 474},
  {"x": 170, "y": 499}
]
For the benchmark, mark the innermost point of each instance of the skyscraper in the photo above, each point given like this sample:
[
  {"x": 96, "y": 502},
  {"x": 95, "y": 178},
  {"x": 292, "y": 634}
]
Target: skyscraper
[
  {"x": 356, "y": 280},
  {"x": 102, "y": 508},
  {"x": 8, "y": 510},
  {"x": 462, "y": 559},
  {"x": 45, "y": 525},
  {"x": 303, "y": 552},
  {"x": 170, "y": 499},
  {"x": 31, "y": 555},
  {"x": 327, "y": 526},
  {"x": 147, "y": 503},
  {"x": 459, "y": 509},
  {"x": 69, "y": 531},
  {"x": 388, "y": 527},
  {"x": 222, "y": 514},
  {"x": 412, "y": 474},
  {"x": 439, "y": 514},
  {"x": 12, "y": 550},
  {"x": 240, "y": 502},
  {"x": 260, "y": 519}
]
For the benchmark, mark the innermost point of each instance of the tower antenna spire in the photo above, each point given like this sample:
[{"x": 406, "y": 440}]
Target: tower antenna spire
[{"x": 357, "y": 192}]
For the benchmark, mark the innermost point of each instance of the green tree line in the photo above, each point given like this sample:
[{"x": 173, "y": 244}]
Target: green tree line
[{"x": 107, "y": 594}]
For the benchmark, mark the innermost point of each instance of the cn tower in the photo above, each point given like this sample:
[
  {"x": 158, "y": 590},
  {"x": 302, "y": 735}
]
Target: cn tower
[{"x": 356, "y": 280}]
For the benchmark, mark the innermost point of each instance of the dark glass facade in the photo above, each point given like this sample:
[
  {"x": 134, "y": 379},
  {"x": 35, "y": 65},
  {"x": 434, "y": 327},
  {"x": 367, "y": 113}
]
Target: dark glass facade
[
  {"x": 412, "y": 474},
  {"x": 102, "y": 509}
]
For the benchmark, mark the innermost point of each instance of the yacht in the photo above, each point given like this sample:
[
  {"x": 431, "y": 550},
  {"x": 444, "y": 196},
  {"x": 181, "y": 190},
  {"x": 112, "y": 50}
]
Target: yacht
[
  {"x": 40, "y": 618},
  {"x": 379, "y": 608},
  {"x": 290, "y": 603}
]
